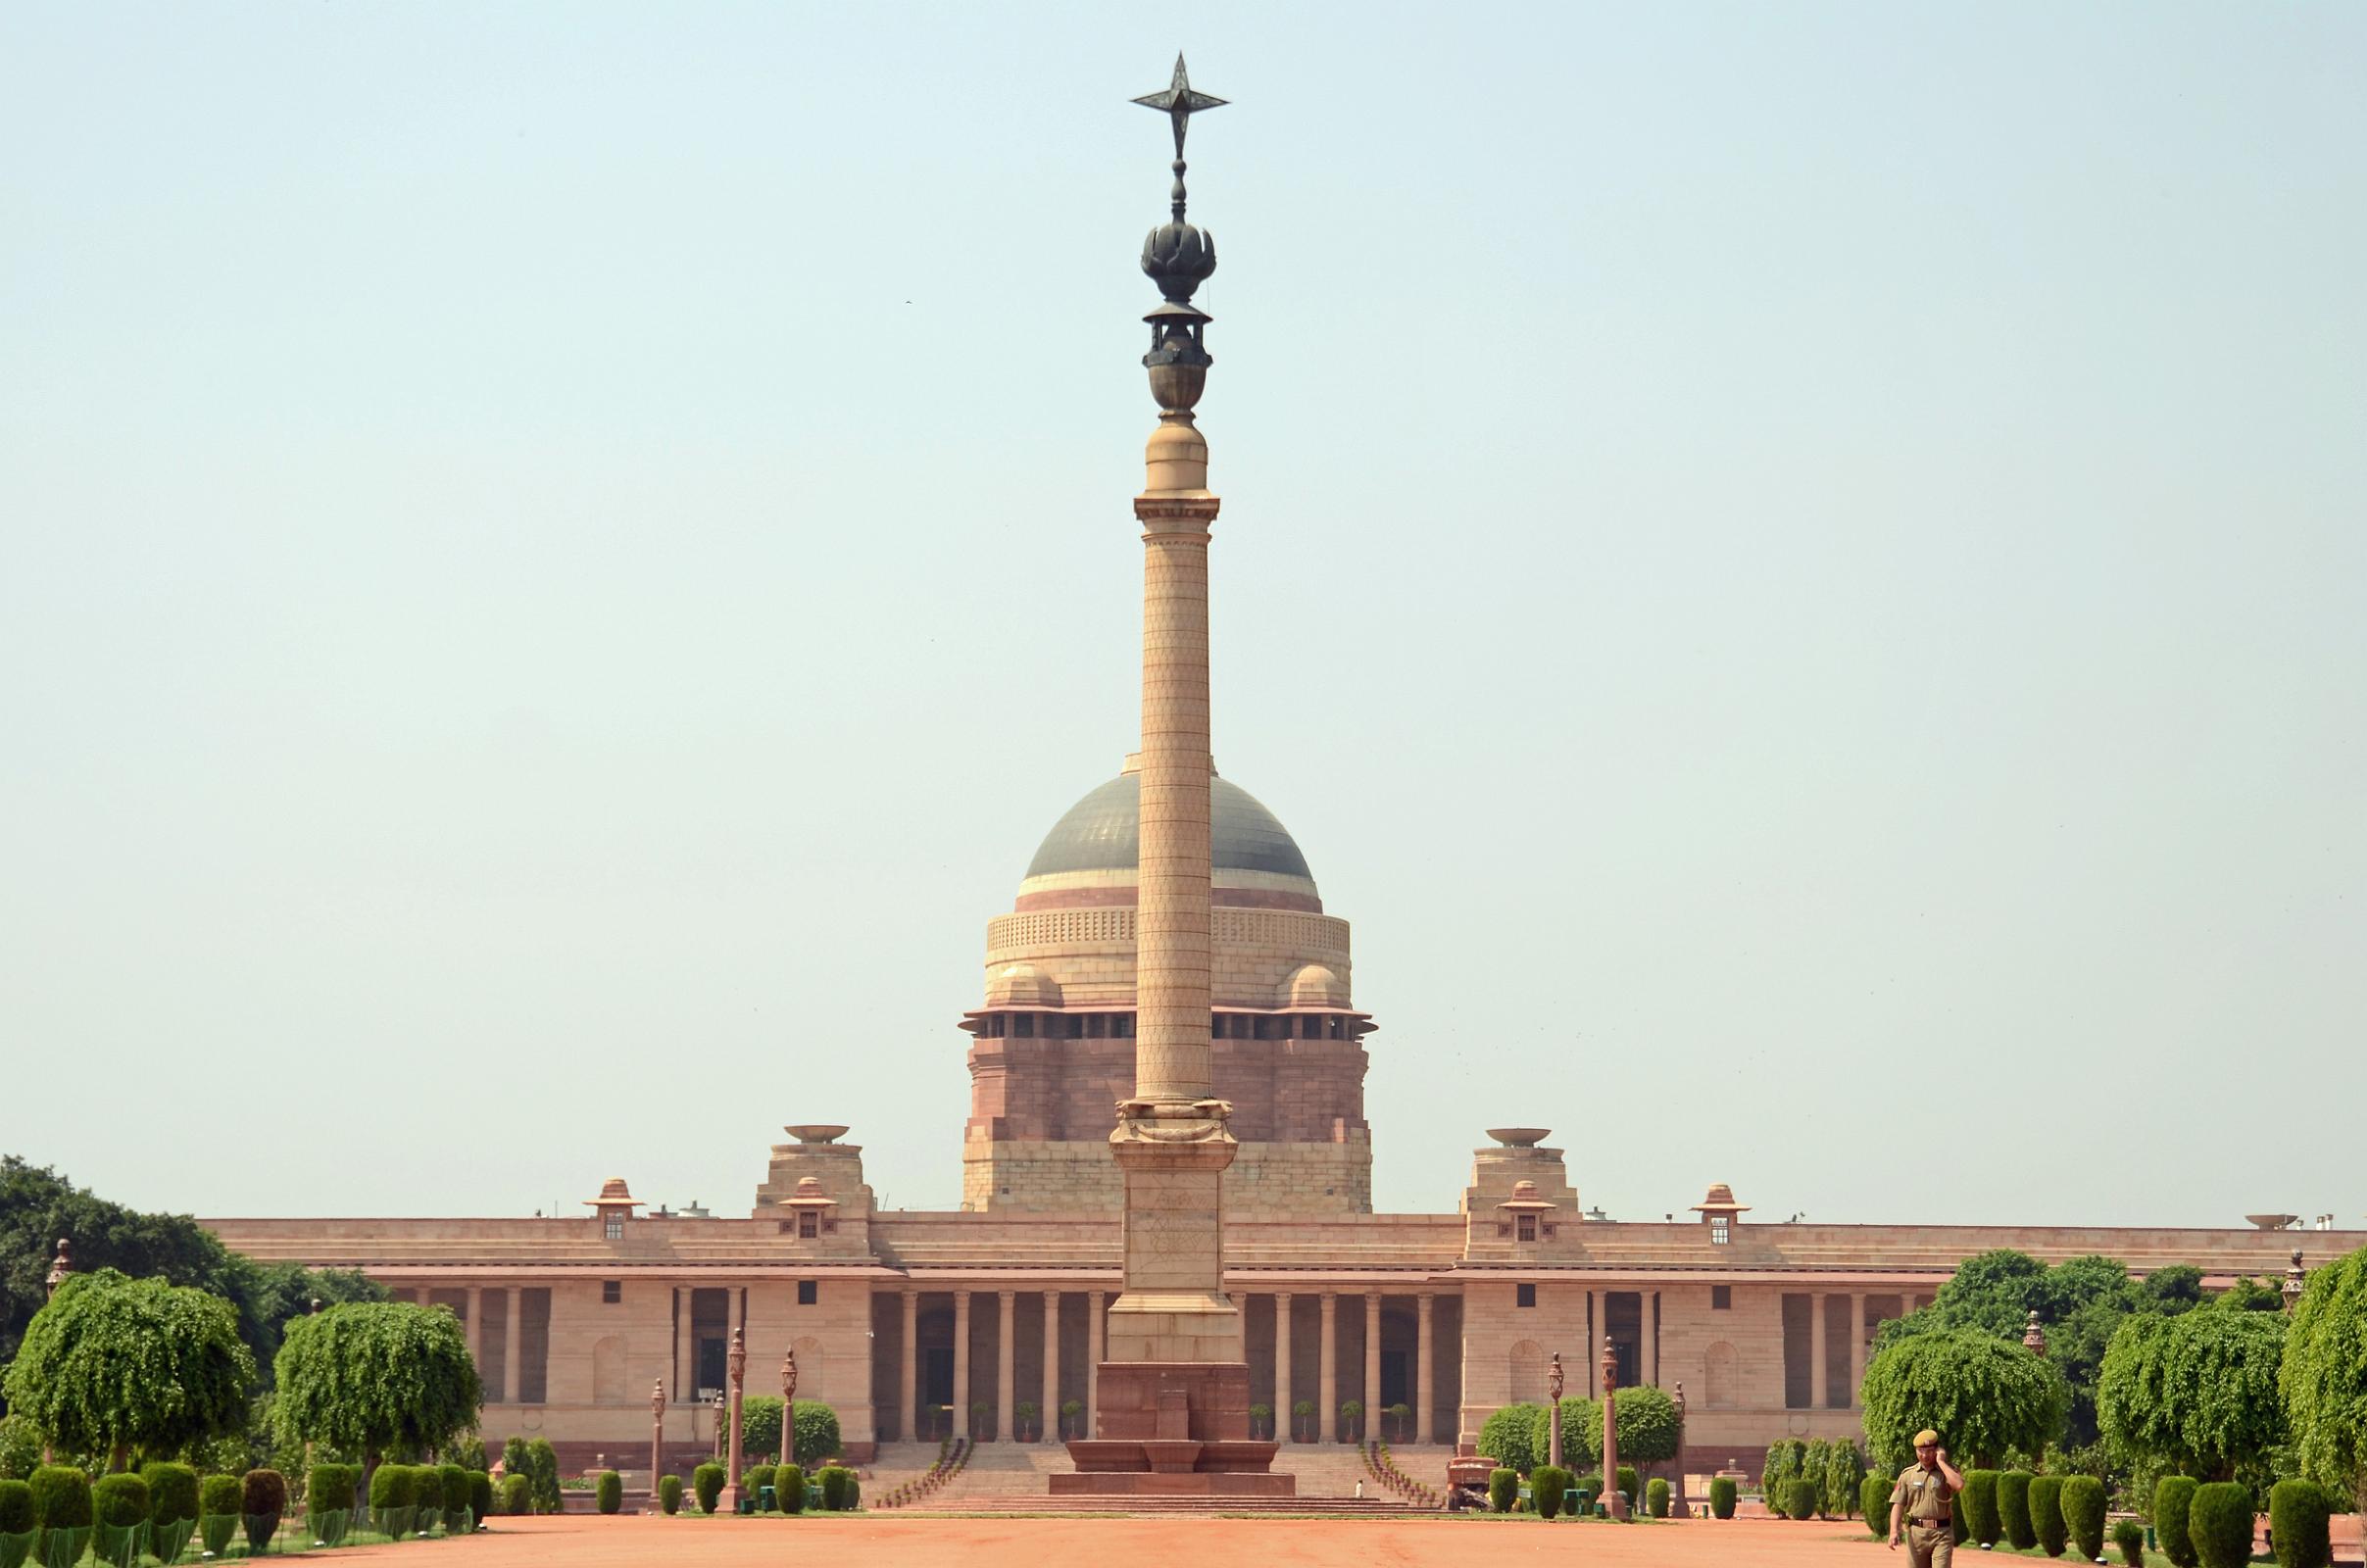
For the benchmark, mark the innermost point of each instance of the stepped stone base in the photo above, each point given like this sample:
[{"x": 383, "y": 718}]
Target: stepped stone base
[
  {"x": 1174, "y": 1429},
  {"x": 1173, "y": 1483}
]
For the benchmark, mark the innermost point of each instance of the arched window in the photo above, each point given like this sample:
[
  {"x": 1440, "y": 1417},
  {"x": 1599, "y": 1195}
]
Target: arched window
[
  {"x": 1725, "y": 1374},
  {"x": 1528, "y": 1373}
]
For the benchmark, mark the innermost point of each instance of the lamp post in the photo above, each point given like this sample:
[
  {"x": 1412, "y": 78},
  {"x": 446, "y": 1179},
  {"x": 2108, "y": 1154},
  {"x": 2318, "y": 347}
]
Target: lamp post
[
  {"x": 1680, "y": 1487},
  {"x": 657, "y": 1439},
  {"x": 2034, "y": 1338},
  {"x": 736, "y": 1364},
  {"x": 788, "y": 1452},
  {"x": 2292, "y": 1287},
  {"x": 1552, "y": 1388},
  {"x": 59, "y": 1268},
  {"x": 1617, "y": 1504}
]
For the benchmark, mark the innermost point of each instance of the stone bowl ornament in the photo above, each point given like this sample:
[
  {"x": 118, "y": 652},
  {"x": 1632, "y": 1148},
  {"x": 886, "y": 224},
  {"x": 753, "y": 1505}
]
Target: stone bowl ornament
[
  {"x": 1520, "y": 1137},
  {"x": 818, "y": 1132}
]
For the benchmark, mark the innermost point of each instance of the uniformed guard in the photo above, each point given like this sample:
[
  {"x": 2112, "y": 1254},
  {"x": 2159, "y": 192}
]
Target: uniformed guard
[{"x": 1923, "y": 1504}]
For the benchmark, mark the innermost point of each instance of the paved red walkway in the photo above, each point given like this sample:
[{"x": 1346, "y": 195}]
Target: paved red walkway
[{"x": 884, "y": 1541}]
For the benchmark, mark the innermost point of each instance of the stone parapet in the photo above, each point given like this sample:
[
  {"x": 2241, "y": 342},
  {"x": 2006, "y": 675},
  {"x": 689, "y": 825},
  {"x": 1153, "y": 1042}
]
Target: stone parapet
[{"x": 1076, "y": 1176}]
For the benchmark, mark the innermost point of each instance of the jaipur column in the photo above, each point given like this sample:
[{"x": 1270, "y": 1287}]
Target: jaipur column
[
  {"x": 1371, "y": 1397},
  {"x": 1049, "y": 1424},
  {"x": 962, "y": 1400},
  {"x": 907, "y": 1376},
  {"x": 1282, "y": 1368},
  {"x": 1006, "y": 1366},
  {"x": 1327, "y": 1370},
  {"x": 1096, "y": 1305},
  {"x": 1425, "y": 1394},
  {"x": 1816, "y": 1352}
]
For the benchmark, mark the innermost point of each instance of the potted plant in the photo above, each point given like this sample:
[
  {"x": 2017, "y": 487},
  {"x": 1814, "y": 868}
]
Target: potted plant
[
  {"x": 1352, "y": 1420},
  {"x": 979, "y": 1410},
  {"x": 1072, "y": 1418},
  {"x": 1303, "y": 1421},
  {"x": 1398, "y": 1422},
  {"x": 1261, "y": 1421},
  {"x": 1024, "y": 1422}
]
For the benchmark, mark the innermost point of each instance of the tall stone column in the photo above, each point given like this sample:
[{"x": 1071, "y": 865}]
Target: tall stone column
[
  {"x": 1327, "y": 1370},
  {"x": 1096, "y": 1311},
  {"x": 962, "y": 1401},
  {"x": 1425, "y": 1390},
  {"x": 1049, "y": 1426},
  {"x": 1651, "y": 1339},
  {"x": 686, "y": 1348},
  {"x": 1006, "y": 1363},
  {"x": 509, "y": 1351},
  {"x": 1816, "y": 1352},
  {"x": 476, "y": 1327},
  {"x": 1856, "y": 1344},
  {"x": 1598, "y": 1327},
  {"x": 907, "y": 1375},
  {"x": 1282, "y": 1367},
  {"x": 1372, "y": 1397}
]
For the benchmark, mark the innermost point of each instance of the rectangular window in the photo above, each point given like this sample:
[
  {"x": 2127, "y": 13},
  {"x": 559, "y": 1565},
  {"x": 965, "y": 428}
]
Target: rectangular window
[
  {"x": 809, "y": 1224},
  {"x": 808, "y": 1292},
  {"x": 1721, "y": 1298},
  {"x": 613, "y": 1227},
  {"x": 612, "y": 1292},
  {"x": 1525, "y": 1228},
  {"x": 1799, "y": 1371},
  {"x": 1525, "y": 1296},
  {"x": 1717, "y": 1230}
]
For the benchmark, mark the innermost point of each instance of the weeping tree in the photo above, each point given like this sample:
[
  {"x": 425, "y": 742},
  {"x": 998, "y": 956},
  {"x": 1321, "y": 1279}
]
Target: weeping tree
[
  {"x": 377, "y": 1377},
  {"x": 1984, "y": 1396},
  {"x": 2194, "y": 1393},
  {"x": 114, "y": 1364},
  {"x": 2324, "y": 1377}
]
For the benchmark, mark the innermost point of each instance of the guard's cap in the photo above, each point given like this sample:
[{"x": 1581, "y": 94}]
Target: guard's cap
[{"x": 1926, "y": 1438}]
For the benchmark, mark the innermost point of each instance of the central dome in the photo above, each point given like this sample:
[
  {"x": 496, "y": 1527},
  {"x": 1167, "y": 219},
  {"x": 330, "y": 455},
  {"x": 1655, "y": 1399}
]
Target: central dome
[{"x": 1102, "y": 832}]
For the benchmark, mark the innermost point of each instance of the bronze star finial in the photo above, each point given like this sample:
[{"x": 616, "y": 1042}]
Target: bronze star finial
[{"x": 1179, "y": 102}]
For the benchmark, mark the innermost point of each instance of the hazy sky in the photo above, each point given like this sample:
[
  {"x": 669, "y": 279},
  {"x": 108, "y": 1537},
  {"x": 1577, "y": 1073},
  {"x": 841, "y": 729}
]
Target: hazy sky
[{"x": 1796, "y": 572}]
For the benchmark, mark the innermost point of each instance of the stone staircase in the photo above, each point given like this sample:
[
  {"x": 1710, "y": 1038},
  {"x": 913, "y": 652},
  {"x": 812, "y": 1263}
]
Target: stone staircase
[{"x": 1014, "y": 1478}]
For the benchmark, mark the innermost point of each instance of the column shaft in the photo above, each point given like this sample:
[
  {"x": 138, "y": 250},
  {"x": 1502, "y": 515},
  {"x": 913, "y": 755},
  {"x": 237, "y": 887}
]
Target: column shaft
[
  {"x": 1095, "y": 1309},
  {"x": 1816, "y": 1352},
  {"x": 1856, "y": 1344},
  {"x": 1651, "y": 1338},
  {"x": 962, "y": 1400},
  {"x": 1327, "y": 1370},
  {"x": 1282, "y": 1368},
  {"x": 476, "y": 1327},
  {"x": 1047, "y": 1428},
  {"x": 1007, "y": 1366},
  {"x": 907, "y": 1375},
  {"x": 686, "y": 1349},
  {"x": 1171, "y": 1051},
  {"x": 1372, "y": 1397},
  {"x": 1596, "y": 1327},
  {"x": 509, "y": 1351},
  {"x": 1425, "y": 1396}
]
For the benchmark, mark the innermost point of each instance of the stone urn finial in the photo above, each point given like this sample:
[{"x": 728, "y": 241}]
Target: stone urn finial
[
  {"x": 2294, "y": 1275},
  {"x": 61, "y": 1266},
  {"x": 1552, "y": 1378},
  {"x": 656, "y": 1400},
  {"x": 1610, "y": 1367},
  {"x": 2034, "y": 1338},
  {"x": 788, "y": 1380}
]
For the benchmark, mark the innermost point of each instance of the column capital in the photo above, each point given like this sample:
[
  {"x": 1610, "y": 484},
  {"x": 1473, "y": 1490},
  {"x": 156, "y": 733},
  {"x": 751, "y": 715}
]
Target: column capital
[
  {"x": 909, "y": 1292},
  {"x": 1005, "y": 1296},
  {"x": 1282, "y": 1296},
  {"x": 960, "y": 1293},
  {"x": 1329, "y": 1296}
]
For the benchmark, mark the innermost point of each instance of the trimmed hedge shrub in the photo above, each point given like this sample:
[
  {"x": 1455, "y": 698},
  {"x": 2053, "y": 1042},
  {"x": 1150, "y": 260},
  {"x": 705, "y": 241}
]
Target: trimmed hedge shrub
[
  {"x": 2046, "y": 1513},
  {"x": 171, "y": 1492},
  {"x": 542, "y": 1469},
  {"x": 1721, "y": 1497},
  {"x": 608, "y": 1491},
  {"x": 2171, "y": 1499},
  {"x": 1800, "y": 1497},
  {"x": 706, "y": 1485},
  {"x": 2297, "y": 1513},
  {"x": 453, "y": 1481},
  {"x": 480, "y": 1494},
  {"x": 329, "y": 1488},
  {"x": 217, "y": 1509},
  {"x": 789, "y": 1487},
  {"x": 2129, "y": 1539},
  {"x": 396, "y": 1486},
  {"x": 670, "y": 1493},
  {"x": 814, "y": 1433},
  {"x": 1874, "y": 1503},
  {"x": 120, "y": 1502},
  {"x": 838, "y": 1487},
  {"x": 753, "y": 1482},
  {"x": 2083, "y": 1507},
  {"x": 15, "y": 1507},
  {"x": 2013, "y": 1509},
  {"x": 61, "y": 1498},
  {"x": 2219, "y": 1522},
  {"x": 517, "y": 1494},
  {"x": 262, "y": 1499},
  {"x": 1656, "y": 1497},
  {"x": 1509, "y": 1436},
  {"x": 1980, "y": 1506},
  {"x": 1504, "y": 1489},
  {"x": 1547, "y": 1484}
]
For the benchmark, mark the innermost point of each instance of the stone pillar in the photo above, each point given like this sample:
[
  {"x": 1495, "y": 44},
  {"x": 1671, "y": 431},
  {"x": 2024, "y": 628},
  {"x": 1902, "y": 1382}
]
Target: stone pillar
[
  {"x": 1816, "y": 1352},
  {"x": 962, "y": 1421},
  {"x": 509, "y": 1350},
  {"x": 1048, "y": 1430},
  {"x": 1597, "y": 1329},
  {"x": 1425, "y": 1390},
  {"x": 1856, "y": 1344},
  {"x": 1372, "y": 1365},
  {"x": 1006, "y": 1363},
  {"x": 1651, "y": 1339},
  {"x": 1095, "y": 1307},
  {"x": 686, "y": 1349},
  {"x": 1282, "y": 1367},
  {"x": 907, "y": 1375},
  {"x": 1327, "y": 1371},
  {"x": 476, "y": 1327}
]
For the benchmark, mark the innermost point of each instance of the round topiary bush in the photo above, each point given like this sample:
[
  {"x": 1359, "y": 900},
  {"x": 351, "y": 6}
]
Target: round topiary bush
[
  {"x": 329, "y": 1488},
  {"x": 1799, "y": 1499},
  {"x": 2129, "y": 1539},
  {"x": 2219, "y": 1522},
  {"x": 1656, "y": 1497},
  {"x": 61, "y": 1498},
  {"x": 1504, "y": 1489},
  {"x": 1721, "y": 1497},
  {"x": 2013, "y": 1509},
  {"x": 753, "y": 1480},
  {"x": 1874, "y": 1501},
  {"x": 1979, "y": 1504},
  {"x": 608, "y": 1492},
  {"x": 1628, "y": 1482},
  {"x": 789, "y": 1487},
  {"x": 1510, "y": 1436},
  {"x": 481, "y": 1496},
  {"x": 2297, "y": 1519},
  {"x": 2047, "y": 1514},
  {"x": 452, "y": 1486},
  {"x": 2083, "y": 1506},
  {"x": 517, "y": 1494},
  {"x": 171, "y": 1492},
  {"x": 15, "y": 1507},
  {"x": 814, "y": 1433},
  {"x": 218, "y": 1500},
  {"x": 838, "y": 1485},
  {"x": 394, "y": 1486},
  {"x": 2171, "y": 1500},
  {"x": 670, "y": 1493},
  {"x": 120, "y": 1502},
  {"x": 1547, "y": 1485},
  {"x": 262, "y": 1499},
  {"x": 706, "y": 1485}
]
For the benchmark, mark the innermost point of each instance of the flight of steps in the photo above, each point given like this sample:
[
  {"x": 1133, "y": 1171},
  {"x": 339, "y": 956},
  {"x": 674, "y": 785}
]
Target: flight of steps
[{"x": 1014, "y": 1478}]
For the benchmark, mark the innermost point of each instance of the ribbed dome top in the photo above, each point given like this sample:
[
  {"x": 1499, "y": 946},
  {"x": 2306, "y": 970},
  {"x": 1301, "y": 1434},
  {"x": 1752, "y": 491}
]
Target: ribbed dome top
[{"x": 1102, "y": 832}]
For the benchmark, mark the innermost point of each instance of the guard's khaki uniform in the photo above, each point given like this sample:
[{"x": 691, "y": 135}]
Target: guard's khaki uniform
[{"x": 1930, "y": 1521}]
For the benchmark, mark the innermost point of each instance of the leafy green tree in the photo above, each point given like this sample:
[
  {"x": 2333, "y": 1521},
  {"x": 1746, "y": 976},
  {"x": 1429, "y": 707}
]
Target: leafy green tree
[
  {"x": 542, "y": 1470},
  {"x": 760, "y": 1424},
  {"x": 814, "y": 1433},
  {"x": 2324, "y": 1378},
  {"x": 1984, "y": 1396},
  {"x": 1650, "y": 1428},
  {"x": 377, "y": 1377},
  {"x": 113, "y": 1365},
  {"x": 1513, "y": 1436},
  {"x": 2196, "y": 1392}
]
